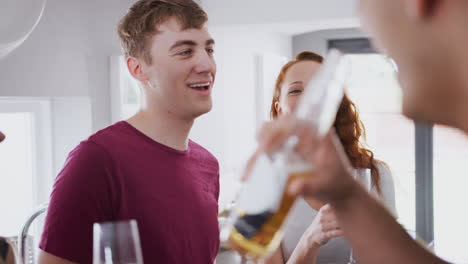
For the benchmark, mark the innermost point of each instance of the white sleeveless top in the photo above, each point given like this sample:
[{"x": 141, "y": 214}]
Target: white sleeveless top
[{"x": 337, "y": 250}]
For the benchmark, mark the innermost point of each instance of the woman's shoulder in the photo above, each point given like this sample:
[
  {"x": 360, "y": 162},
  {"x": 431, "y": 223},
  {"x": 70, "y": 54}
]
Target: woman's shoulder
[
  {"x": 385, "y": 175},
  {"x": 384, "y": 168},
  {"x": 386, "y": 185}
]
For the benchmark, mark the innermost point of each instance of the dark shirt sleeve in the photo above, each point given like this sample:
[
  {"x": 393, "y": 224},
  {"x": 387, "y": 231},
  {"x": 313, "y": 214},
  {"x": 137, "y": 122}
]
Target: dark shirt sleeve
[
  {"x": 83, "y": 194},
  {"x": 217, "y": 186}
]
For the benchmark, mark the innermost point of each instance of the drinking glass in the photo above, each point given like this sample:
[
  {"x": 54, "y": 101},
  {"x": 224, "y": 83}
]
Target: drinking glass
[{"x": 116, "y": 243}]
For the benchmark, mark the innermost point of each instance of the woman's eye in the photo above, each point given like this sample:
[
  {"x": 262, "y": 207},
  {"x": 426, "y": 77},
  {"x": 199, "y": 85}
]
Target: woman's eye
[{"x": 297, "y": 91}]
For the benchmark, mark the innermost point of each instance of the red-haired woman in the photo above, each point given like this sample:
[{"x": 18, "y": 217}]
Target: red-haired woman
[{"x": 312, "y": 233}]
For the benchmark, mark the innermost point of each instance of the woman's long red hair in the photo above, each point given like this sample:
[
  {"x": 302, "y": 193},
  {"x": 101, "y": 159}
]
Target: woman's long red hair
[{"x": 348, "y": 126}]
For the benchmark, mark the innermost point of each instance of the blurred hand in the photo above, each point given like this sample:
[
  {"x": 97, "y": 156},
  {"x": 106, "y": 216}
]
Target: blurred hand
[
  {"x": 332, "y": 178},
  {"x": 2, "y": 136},
  {"x": 323, "y": 228}
]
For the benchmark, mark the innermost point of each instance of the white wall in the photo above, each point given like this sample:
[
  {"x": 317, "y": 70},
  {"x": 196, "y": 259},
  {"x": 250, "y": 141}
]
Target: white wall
[
  {"x": 66, "y": 59},
  {"x": 229, "y": 130},
  {"x": 242, "y": 12},
  {"x": 58, "y": 125},
  {"x": 67, "y": 55},
  {"x": 71, "y": 123}
]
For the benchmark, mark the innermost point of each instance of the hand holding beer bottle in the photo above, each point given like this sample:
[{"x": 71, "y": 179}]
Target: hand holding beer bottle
[{"x": 254, "y": 226}]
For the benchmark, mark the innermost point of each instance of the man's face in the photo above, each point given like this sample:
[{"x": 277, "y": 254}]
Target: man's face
[
  {"x": 418, "y": 48},
  {"x": 183, "y": 70}
]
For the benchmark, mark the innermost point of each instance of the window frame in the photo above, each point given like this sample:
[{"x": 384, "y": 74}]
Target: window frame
[
  {"x": 423, "y": 151},
  {"x": 43, "y": 176}
]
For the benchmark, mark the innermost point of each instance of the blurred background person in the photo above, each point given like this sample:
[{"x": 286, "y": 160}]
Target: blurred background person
[{"x": 312, "y": 232}]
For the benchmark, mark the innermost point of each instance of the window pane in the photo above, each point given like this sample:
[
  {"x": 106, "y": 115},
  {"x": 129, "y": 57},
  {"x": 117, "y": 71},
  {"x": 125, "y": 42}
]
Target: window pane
[
  {"x": 16, "y": 175},
  {"x": 450, "y": 183},
  {"x": 376, "y": 92}
]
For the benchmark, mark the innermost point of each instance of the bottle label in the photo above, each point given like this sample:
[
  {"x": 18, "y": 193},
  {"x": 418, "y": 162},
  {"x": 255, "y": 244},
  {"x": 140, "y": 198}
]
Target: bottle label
[
  {"x": 260, "y": 196},
  {"x": 249, "y": 225},
  {"x": 263, "y": 190}
]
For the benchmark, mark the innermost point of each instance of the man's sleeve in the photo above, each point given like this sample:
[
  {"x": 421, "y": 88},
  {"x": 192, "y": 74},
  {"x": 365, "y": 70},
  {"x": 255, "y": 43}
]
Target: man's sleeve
[{"x": 82, "y": 195}]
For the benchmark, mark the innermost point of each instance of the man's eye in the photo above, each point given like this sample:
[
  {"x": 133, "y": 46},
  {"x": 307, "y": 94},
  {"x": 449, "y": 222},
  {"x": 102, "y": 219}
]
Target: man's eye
[
  {"x": 185, "y": 52},
  {"x": 210, "y": 50}
]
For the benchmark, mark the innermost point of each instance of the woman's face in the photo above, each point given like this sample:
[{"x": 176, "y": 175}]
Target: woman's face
[{"x": 295, "y": 80}]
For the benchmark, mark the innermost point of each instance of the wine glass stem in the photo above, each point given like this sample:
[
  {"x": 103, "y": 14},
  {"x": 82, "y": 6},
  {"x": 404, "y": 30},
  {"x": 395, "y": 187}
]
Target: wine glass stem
[
  {"x": 108, "y": 255},
  {"x": 351, "y": 258}
]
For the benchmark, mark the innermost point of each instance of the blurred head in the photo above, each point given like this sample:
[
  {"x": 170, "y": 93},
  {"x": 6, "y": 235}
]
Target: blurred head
[
  {"x": 290, "y": 84},
  {"x": 6, "y": 252},
  {"x": 428, "y": 39},
  {"x": 169, "y": 50},
  {"x": 2, "y": 136}
]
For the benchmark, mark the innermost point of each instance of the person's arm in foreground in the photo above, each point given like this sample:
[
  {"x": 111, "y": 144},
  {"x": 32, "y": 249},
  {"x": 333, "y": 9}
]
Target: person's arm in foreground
[
  {"x": 372, "y": 231},
  {"x": 46, "y": 258}
]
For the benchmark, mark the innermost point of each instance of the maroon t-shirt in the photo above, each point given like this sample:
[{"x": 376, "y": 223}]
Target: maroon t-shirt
[{"x": 120, "y": 174}]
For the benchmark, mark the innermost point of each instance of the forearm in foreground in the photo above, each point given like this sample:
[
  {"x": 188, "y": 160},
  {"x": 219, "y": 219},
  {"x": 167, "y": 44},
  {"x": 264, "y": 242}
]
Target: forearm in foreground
[{"x": 374, "y": 235}]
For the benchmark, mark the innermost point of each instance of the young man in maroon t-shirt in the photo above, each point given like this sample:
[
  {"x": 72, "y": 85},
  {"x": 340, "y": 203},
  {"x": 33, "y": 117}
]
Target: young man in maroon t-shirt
[{"x": 146, "y": 168}]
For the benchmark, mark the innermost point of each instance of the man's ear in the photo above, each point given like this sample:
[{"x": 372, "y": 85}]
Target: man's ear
[
  {"x": 421, "y": 9},
  {"x": 135, "y": 67}
]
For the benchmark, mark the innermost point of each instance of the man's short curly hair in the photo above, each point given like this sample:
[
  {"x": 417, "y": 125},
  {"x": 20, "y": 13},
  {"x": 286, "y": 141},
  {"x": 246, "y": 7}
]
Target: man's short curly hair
[{"x": 142, "y": 20}]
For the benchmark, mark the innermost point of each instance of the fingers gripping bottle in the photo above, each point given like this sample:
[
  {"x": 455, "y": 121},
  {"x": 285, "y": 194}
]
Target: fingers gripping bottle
[{"x": 254, "y": 225}]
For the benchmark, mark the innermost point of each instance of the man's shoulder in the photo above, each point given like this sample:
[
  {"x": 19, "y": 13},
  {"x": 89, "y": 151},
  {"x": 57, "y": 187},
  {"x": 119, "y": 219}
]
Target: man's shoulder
[
  {"x": 101, "y": 143},
  {"x": 109, "y": 135},
  {"x": 201, "y": 151}
]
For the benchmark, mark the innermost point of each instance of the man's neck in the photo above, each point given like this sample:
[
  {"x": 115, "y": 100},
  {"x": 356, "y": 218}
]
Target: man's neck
[
  {"x": 458, "y": 42},
  {"x": 462, "y": 101},
  {"x": 163, "y": 127},
  {"x": 462, "y": 116}
]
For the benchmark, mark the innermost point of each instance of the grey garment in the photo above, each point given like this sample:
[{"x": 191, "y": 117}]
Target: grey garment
[{"x": 337, "y": 250}]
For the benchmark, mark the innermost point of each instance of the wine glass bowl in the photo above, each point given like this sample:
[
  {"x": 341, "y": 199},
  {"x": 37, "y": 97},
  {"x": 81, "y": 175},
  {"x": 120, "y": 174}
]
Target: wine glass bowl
[{"x": 116, "y": 243}]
